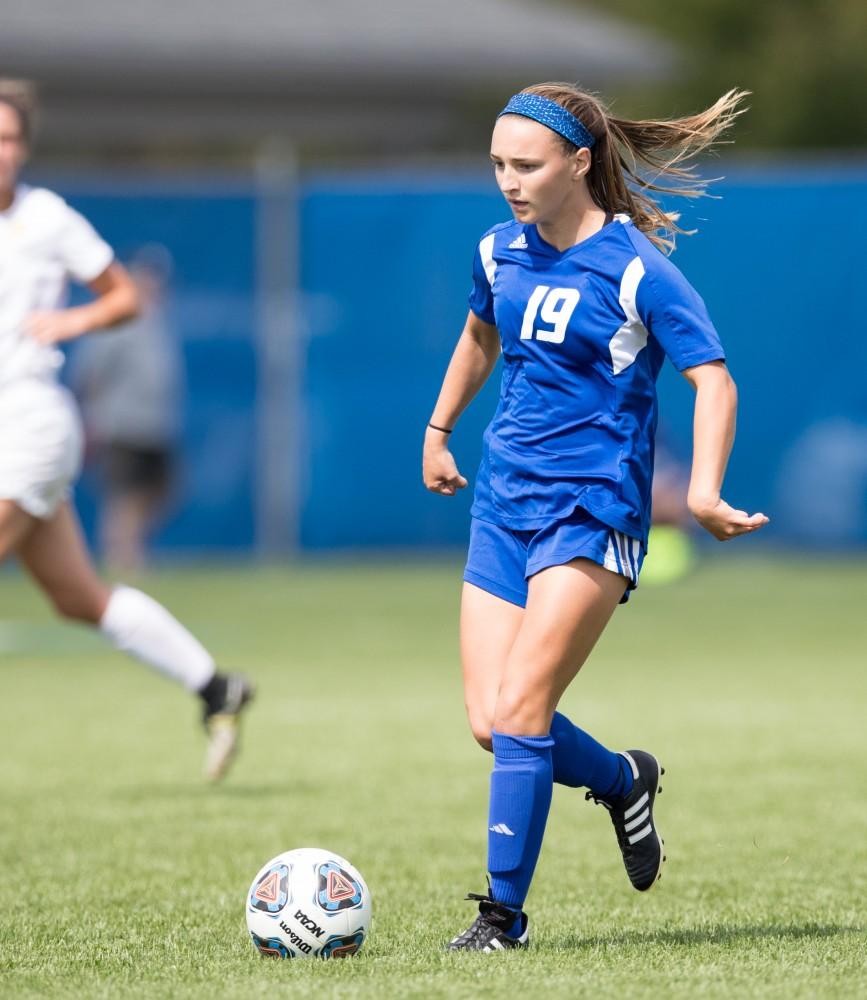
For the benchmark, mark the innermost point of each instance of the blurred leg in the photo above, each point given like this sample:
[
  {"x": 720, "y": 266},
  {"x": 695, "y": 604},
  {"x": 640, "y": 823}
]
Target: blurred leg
[
  {"x": 123, "y": 525},
  {"x": 136, "y": 483},
  {"x": 55, "y": 555},
  {"x": 15, "y": 525}
]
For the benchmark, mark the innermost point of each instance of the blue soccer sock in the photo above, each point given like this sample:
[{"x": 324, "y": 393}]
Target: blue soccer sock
[
  {"x": 580, "y": 762},
  {"x": 521, "y": 786},
  {"x": 516, "y": 928}
]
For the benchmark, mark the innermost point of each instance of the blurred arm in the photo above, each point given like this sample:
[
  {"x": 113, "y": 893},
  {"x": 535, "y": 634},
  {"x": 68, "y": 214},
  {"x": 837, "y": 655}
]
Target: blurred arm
[{"x": 116, "y": 301}]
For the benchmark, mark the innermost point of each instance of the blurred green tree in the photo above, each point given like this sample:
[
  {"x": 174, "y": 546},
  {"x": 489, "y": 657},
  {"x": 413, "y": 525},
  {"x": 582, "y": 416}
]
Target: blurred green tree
[{"x": 805, "y": 62}]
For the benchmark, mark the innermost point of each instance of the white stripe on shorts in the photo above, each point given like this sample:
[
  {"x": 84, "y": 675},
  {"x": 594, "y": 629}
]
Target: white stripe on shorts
[
  {"x": 622, "y": 555},
  {"x": 628, "y": 543},
  {"x": 623, "y": 542},
  {"x": 611, "y": 562}
]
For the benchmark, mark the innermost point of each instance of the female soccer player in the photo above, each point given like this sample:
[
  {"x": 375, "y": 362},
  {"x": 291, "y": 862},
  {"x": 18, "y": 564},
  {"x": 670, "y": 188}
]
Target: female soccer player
[
  {"x": 585, "y": 307},
  {"x": 43, "y": 242}
]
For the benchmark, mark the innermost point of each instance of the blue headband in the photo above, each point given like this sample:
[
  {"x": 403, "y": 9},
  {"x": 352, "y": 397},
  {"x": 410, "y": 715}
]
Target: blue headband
[{"x": 552, "y": 115}]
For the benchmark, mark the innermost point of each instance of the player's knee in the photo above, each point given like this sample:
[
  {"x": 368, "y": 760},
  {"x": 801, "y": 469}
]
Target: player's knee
[
  {"x": 521, "y": 711},
  {"x": 480, "y": 726},
  {"x": 482, "y": 734},
  {"x": 483, "y": 738}
]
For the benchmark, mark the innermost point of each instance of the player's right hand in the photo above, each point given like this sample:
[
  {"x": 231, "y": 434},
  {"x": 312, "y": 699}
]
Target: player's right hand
[
  {"x": 54, "y": 326},
  {"x": 725, "y": 522},
  {"x": 439, "y": 470}
]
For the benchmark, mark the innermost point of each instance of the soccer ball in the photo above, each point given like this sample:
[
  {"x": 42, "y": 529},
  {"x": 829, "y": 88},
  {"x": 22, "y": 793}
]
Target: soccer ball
[{"x": 308, "y": 902}]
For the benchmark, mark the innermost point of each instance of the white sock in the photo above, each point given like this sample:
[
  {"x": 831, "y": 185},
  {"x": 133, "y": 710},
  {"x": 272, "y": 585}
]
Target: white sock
[{"x": 138, "y": 625}]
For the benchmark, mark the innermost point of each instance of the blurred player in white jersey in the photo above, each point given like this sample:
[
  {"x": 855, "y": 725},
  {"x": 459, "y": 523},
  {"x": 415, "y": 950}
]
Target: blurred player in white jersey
[{"x": 43, "y": 243}]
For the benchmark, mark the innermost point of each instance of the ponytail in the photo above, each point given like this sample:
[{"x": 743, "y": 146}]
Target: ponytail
[{"x": 631, "y": 159}]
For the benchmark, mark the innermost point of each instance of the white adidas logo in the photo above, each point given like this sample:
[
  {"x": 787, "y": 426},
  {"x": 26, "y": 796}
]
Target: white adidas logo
[
  {"x": 519, "y": 244},
  {"x": 501, "y": 828}
]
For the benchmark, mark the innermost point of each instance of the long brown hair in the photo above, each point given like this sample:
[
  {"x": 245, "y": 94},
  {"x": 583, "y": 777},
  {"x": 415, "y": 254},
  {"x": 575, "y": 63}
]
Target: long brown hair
[{"x": 632, "y": 158}]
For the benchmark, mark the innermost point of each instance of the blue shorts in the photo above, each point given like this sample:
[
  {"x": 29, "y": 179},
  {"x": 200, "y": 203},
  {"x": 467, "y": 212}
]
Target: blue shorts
[{"x": 501, "y": 560}]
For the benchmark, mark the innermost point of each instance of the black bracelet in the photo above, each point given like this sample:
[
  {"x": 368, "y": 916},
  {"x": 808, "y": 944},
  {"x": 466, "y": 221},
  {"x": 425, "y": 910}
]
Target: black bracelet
[{"x": 442, "y": 430}]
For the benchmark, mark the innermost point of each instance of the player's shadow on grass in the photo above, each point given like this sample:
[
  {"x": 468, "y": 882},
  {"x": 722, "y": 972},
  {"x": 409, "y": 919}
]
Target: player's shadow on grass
[{"x": 691, "y": 936}]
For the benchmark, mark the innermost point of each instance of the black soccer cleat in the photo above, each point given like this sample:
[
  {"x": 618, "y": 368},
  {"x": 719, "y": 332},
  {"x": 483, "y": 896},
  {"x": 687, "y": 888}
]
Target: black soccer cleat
[
  {"x": 489, "y": 931},
  {"x": 632, "y": 815},
  {"x": 222, "y": 724}
]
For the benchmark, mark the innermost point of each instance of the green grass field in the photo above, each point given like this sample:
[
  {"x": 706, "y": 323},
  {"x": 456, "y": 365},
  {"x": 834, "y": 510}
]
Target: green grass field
[{"x": 124, "y": 875}]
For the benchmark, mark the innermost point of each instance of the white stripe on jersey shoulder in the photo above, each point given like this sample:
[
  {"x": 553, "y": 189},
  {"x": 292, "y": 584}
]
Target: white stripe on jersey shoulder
[
  {"x": 631, "y": 338},
  {"x": 486, "y": 252},
  {"x": 622, "y": 217}
]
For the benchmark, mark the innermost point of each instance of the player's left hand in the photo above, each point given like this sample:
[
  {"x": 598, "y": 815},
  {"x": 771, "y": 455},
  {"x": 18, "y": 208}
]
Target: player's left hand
[
  {"x": 723, "y": 521},
  {"x": 56, "y": 325}
]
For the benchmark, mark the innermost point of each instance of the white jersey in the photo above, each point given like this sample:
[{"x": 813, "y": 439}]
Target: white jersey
[{"x": 43, "y": 243}]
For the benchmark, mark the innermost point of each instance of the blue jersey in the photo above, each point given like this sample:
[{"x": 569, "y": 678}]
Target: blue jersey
[{"x": 584, "y": 334}]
